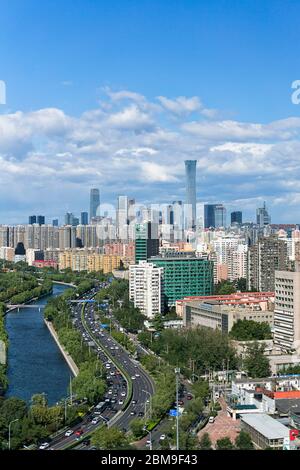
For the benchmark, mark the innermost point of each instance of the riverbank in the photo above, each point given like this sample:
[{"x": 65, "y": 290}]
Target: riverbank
[{"x": 69, "y": 360}]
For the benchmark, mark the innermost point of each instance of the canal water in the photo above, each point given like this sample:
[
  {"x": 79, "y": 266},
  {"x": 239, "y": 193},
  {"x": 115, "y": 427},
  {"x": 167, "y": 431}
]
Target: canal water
[{"x": 35, "y": 363}]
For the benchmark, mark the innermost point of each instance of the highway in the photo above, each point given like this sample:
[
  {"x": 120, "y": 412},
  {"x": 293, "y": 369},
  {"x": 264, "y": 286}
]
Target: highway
[{"x": 108, "y": 351}]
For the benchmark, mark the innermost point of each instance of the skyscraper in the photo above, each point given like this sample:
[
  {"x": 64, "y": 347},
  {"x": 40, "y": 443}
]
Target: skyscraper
[
  {"x": 40, "y": 219},
  {"x": 262, "y": 216},
  {"x": 32, "y": 219},
  {"x": 84, "y": 218},
  {"x": 220, "y": 216},
  {"x": 190, "y": 174},
  {"x": 122, "y": 218},
  {"x": 146, "y": 241},
  {"x": 236, "y": 217},
  {"x": 94, "y": 202}
]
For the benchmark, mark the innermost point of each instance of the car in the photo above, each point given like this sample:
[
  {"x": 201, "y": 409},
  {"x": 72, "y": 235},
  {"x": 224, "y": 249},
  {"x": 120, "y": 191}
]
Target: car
[
  {"x": 123, "y": 394},
  {"x": 140, "y": 414},
  {"x": 109, "y": 392},
  {"x": 133, "y": 413},
  {"x": 211, "y": 419},
  {"x": 162, "y": 437},
  {"x": 121, "y": 402},
  {"x": 133, "y": 402},
  {"x": 181, "y": 402},
  {"x": 137, "y": 375},
  {"x": 133, "y": 377},
  {"x": 44, "y": 446},
  {"x": 69, "y": 432},
  {"x": 189, "y": 396},
  {"x": 95, "y": 420}
]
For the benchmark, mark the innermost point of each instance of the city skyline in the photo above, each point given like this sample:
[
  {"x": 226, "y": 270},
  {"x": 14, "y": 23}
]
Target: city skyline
[{"x": 100, "y": 124}]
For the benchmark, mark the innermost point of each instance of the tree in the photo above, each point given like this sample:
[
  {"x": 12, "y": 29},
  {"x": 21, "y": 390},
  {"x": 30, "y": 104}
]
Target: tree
[
  {"x": 248, "y": 330},
  {"x": 225, "y": 288},
  {"x": 205, "y": 442},
  {"x": 255, "y": 362},
  {"x": 110, "y": 439},
  {"x": 137, "y": 428},
  {"x": 243, "y": 441},
  {"x": 241, "y": 284},
  {"x": 224, "y": 444}
]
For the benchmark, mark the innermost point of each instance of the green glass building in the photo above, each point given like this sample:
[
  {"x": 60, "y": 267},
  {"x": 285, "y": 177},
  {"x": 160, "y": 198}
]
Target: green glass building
[
  {"x": 146, "y": 241},
  {"x": 185, "y": 276}
]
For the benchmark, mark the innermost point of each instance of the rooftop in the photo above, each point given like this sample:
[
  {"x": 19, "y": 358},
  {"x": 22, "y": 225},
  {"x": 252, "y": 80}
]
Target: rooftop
[
  {"x": 238, "y": 298},
  {"x": 265, "y": 425}
]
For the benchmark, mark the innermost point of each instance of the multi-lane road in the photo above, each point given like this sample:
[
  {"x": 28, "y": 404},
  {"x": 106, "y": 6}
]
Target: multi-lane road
[{"x": 115, "y": 360}]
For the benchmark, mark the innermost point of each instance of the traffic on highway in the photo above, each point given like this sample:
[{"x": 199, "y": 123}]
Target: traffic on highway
[{"x": 129, "y": 387}]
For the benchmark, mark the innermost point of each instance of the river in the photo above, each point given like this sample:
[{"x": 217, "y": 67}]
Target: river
[{"x": 35, "y": 363}]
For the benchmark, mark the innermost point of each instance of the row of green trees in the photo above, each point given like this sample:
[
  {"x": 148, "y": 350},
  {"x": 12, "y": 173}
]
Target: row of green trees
[
  {"x": 242, "y": 442},
  {"x": 124, "y": 311},
  {"x": 90, "y": 382},
  {"x": 36, "y": 421},
  {"x": 4, "y": 339},
  {"x": 195, "y": 350}
]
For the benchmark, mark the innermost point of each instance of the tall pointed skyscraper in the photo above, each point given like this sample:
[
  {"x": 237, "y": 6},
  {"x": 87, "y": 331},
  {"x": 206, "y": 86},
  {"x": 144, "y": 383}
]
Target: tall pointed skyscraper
[
  {"x": 190, "y": 201},
  {"x": 94, "y": 202}
]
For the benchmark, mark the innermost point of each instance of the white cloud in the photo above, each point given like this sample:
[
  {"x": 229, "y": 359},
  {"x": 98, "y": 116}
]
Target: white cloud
[
  {"x": 181, "y": 105},
  {"x": 133, "y": 143}
]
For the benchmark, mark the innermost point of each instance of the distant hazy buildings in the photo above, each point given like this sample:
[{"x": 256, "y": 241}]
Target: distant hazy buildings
[
  {"x": 236, "y": 217},
  {"x": 84, "y": 218},
  {"x": 36, "y": 219},
  {"x": 190, "y": 174},
  {"x": 94, "y": 202},
  {"x": 32, "y": 219},
  {"x": 262, "y": 216},
  {"x": 214, "y": 215},
  {"x": 122, "y": 219}
]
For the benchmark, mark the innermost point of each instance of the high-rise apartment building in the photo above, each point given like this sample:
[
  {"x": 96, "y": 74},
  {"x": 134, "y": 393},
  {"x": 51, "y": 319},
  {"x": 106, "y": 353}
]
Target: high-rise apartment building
[
  {"x": 55, "y": 222},
  {"x": 145, "y": 288},
  {"x": 190, "y": 200},
  {"x": 287, "y": 310},
  {"x": 94, "y": 202},
  {"x": 264, "y": 258}
]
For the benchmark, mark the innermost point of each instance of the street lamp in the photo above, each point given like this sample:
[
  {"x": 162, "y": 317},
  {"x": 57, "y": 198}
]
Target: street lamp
[
  {"x": 150, "y": 433},
  {"x": 9, "y": 431},
  {"x": 177, "y": 372}
]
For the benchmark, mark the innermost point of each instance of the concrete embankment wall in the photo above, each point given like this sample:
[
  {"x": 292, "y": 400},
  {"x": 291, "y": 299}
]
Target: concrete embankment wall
[
  {"x": 2, "y": 352},
  {"x": 67, "y": 357}
]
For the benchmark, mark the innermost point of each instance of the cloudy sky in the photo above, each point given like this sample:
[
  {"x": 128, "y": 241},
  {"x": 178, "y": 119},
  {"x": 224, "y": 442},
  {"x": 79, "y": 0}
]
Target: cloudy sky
[{"x": 118, "y": 94}]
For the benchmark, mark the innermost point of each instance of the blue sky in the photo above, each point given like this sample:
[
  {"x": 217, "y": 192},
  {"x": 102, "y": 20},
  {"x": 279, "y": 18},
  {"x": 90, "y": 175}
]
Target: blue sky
[{"x": 118, "y": 93}]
